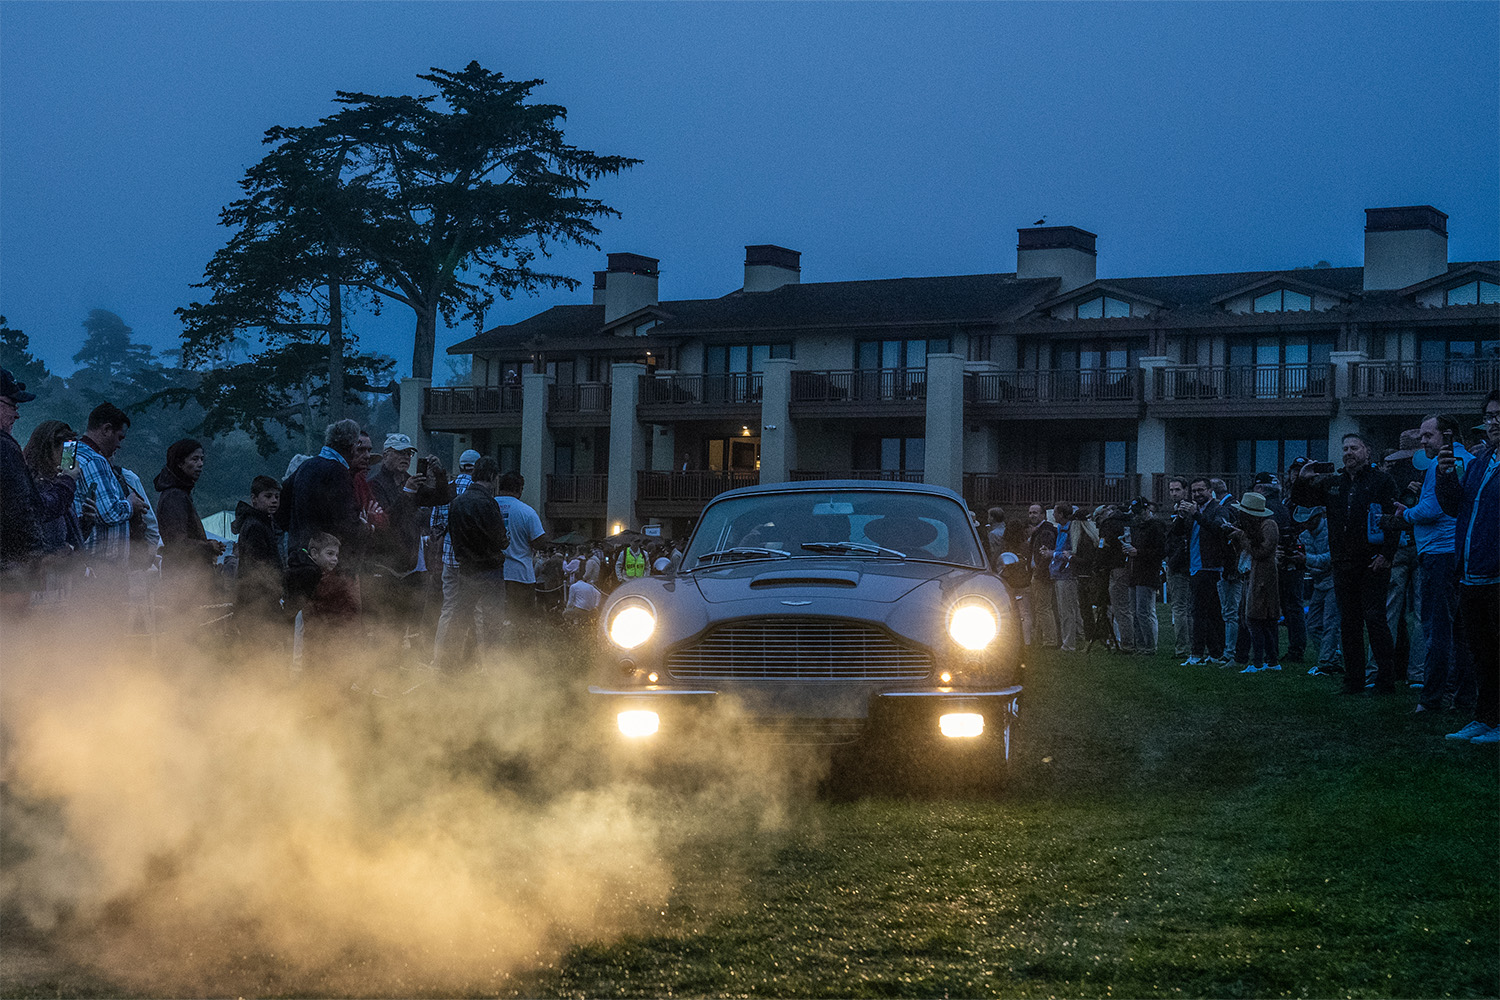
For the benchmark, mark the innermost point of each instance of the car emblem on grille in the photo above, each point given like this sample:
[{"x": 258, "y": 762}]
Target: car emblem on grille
[{"x": 796, "y": 604}]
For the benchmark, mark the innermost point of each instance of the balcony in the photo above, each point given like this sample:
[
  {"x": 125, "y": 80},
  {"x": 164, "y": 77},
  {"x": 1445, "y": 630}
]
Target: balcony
[
  {"x": 700, "y": 397},
  {"x": 1018, "y": 490},
  {"x": 585, "y": 404},
  {"x": 1454, "y": 385},
  {"x": 1243, "y": 391},
  {"x": 577, "y": 496},
  {"x": 1094, "y": 394},
  {"x": 464, "y": 407},
  {"x": 683, "y": 494},
  {"x": 885, "y": 392},
  {"x": 874, "y": 475}
]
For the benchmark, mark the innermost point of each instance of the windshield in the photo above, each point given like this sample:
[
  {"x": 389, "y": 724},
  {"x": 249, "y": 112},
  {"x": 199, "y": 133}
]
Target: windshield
[{"x": 860, "y": 524}]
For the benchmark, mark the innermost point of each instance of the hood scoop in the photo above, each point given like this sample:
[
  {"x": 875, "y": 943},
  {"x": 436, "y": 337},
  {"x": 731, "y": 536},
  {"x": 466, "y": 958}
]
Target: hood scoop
[{"x": 816, "y": 578}]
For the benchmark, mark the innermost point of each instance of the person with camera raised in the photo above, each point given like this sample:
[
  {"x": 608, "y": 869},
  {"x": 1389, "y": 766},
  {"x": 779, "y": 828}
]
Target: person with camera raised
[
  {"x": 1362, "y": 550},
  {"x": 1470, "y": 492}
]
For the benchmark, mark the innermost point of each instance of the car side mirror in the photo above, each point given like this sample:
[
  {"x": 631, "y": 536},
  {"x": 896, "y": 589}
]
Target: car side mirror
[{"x": 1013, "y": 570}]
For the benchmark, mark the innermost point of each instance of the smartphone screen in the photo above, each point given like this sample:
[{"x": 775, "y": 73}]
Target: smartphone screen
[
  {"x": 421, "y": 466},
  {"x": 69, "y": 454}
]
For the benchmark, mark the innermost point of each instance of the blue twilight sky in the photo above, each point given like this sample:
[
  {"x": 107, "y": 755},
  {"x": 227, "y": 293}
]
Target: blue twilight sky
[{"x": 880, "y": 139}]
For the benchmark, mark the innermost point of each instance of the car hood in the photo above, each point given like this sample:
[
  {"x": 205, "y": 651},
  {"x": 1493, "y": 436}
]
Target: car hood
[{"x": 879, "y": 581}]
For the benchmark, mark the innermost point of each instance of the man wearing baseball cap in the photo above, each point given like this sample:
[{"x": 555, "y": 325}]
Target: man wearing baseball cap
[{"x": 394, "y": 546}]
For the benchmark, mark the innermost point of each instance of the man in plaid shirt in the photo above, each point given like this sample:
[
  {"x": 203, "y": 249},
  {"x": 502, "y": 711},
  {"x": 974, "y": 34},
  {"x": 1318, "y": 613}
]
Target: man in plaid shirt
[
  {"x": 439, "y": 525},
  {"x": 107, "y": 544}
]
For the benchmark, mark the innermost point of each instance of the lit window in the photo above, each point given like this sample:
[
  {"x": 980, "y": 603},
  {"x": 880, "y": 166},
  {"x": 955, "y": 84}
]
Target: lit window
[
  {"x": 1474, "y": 293},
  {"x": 1282, "y": 300},
  {"x": 1103, "y": 307}
]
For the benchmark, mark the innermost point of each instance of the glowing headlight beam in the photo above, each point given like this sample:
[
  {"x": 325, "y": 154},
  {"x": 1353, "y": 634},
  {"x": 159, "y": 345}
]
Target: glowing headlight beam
[
  {"x": 961, "y": 725},
  {"x": 638, "y": 722},
  {"x": 631, "y": 626},
  {"x": 973, "y": 626}
]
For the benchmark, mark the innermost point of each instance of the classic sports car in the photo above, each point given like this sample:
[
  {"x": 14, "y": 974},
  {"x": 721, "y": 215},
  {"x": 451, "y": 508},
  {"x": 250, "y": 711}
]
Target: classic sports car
[{"x": 830, "y": 612}]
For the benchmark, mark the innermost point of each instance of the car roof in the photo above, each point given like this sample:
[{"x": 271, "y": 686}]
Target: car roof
[{"x": 824, "y": 485}]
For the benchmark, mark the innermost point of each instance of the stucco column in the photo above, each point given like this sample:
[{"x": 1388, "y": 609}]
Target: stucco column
[
  {"x": 536, "y": 439},
  {"x": 945, "y": 421},
  {"x": 982, "y": 438},
  {"x": 778, "y": 438},
  {"x": 627, "y": 443},
  {"x": 409, "y": 420},
  {"x": 1149, "y": 368},
  {"x": 1343, "y": 389}
]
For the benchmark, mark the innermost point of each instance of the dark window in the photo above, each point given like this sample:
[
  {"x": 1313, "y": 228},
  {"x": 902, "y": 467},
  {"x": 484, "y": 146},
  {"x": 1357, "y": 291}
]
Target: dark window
[
  {"x": 890, "y": 454},
  {"x": 741, "y": 359},
  {"x": 1102, "y": 307},
  {"x": 1473, "y": 293},
  {"x": 898, "y": 354}
]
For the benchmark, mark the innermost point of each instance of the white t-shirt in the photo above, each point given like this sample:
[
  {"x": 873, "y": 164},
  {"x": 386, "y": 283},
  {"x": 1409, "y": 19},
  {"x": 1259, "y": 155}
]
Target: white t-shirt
[
  {"x": 584, "y": 596},
  {"x": 522, "y": 525}
]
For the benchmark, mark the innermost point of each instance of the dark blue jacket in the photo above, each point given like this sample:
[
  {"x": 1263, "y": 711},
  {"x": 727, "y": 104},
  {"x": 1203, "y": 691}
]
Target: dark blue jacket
[{"x": 1479, "y": 550}]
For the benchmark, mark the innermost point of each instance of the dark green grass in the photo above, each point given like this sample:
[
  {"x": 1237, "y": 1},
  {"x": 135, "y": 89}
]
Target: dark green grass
[{"x": 1170, "y": 831}]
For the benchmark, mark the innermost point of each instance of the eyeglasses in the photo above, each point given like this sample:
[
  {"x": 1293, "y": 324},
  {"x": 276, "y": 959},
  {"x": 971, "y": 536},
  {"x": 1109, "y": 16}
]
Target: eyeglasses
[{"x": 1492, "y": 416}]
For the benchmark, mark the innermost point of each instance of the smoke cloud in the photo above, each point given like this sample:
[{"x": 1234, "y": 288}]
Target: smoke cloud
[{"x": 183, "y": 820}]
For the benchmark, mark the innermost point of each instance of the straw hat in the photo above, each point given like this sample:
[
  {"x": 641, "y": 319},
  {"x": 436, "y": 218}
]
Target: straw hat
[{"x": 1253, "y": 504}]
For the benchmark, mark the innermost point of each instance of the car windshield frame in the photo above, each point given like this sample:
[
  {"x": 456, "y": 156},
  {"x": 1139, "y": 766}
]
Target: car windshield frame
[{"x": 910, "y": 526}]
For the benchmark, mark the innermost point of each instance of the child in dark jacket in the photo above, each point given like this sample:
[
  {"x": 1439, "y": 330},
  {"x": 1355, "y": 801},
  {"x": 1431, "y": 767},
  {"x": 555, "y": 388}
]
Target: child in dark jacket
[
  {"x": 257, "y": 589},
  {"x": 329, "y": 602}
]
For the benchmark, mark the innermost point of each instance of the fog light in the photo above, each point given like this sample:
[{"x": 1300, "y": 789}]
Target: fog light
[
  {"x": 638, "y": 723},
  {"x": 945, "y": 677},
  {"x": 651, "y": 677},
  {"x": 957, "y": 725}
]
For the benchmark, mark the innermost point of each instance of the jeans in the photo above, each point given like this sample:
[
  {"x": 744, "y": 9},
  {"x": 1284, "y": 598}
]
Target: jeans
[
  {"x": 1361, "y": 593},
  {"x": 1143, "y": 617},
  {"x": 1208, "y": 621},
  {"x": 1438, "y": 579},
  {"x": 1480, "y": 607},
  {"x": 1290, "y": 586},
  {"x": 1323, "y": 628},
  {"x": 476, "y": 599},
  {"x": 1069, "y": 615},
  {"x": 1400, "y": 606},
  {"x": 1120, "y": 607},
  {"x": 1264, "y": 641},
  {"x": 1231, "y": 596},
  {"x": 1023, "y": 611},
  {"x": 1180, "y": 599},
  {"x": 1044, "y": 609}
]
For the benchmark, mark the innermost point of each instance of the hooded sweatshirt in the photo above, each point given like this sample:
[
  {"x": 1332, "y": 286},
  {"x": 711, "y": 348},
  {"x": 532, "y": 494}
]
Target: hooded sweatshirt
[{"x": 184, "y": 543}]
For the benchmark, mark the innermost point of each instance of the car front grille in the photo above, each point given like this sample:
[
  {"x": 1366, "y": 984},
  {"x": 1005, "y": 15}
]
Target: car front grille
[{"x": 798, "y": 649}]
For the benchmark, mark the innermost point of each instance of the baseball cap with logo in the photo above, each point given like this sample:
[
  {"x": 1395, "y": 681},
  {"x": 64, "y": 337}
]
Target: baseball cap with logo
[{"x": 399, "y": 442}]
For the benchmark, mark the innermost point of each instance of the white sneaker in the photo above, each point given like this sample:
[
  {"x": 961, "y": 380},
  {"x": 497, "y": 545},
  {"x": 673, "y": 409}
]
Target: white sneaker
[
  {"x": 1272, "y": 666},
  {"x": 1252, "y": 669},
  {"x": 1493, "y": 736},
  {"x": 1473, "y": 729},
  {"x": 1192, "y": 661},
  {"x": 1313, "y": 671}
]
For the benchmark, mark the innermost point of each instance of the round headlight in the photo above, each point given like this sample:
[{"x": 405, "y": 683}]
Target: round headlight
[
  {"x": 973, "y": 625},
  {"x": 631, "y": 625}
]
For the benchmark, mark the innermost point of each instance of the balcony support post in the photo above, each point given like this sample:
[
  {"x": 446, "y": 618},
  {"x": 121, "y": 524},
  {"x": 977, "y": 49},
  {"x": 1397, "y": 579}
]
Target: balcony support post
[
  {"x": 536, "y": 438},
  {"x": 945, "y": 421},
  {"x": 1343, "y": 389},
  {"x": 627, "y": 444},
  {"x": 663, "y": 448},
  {"x": 778, "y": 438}
]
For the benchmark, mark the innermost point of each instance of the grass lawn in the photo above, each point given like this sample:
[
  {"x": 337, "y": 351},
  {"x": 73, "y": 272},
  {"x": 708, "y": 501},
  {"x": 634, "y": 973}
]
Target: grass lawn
[{"x": 1171, "y": 831}]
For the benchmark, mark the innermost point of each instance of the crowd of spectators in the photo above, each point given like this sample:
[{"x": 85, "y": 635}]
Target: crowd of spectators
[{"x": 1383, "y": 574}]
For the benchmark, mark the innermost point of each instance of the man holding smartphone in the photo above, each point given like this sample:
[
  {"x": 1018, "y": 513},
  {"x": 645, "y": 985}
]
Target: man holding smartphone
[
  {"x": 107, "y": 544},
  {"x": 1356, "y": 499}
]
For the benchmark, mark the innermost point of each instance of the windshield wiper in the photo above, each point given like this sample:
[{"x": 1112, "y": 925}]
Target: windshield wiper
[
  {"x": 852, "y": 547},
  {"x": 738, "y": 551}
]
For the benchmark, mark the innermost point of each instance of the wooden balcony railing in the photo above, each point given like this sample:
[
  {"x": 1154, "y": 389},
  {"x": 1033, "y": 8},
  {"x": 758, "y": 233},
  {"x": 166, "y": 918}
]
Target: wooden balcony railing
[
  {"x": 735, "y": 389},
  {"x": 877, "y": 475},
  {"x": 697, "y": 486},
  {"x": 1089, "y": 385},
  {"x": 1452, "y": 377},
  {"x": 578, "y": 489},
  {"x": 1176, "y": 383},
  {"x": 1009, "y": 489},
  {"x": 586, "y": 397},
  {"x": 860, "y": 386},
  {"x": 472, "y": 399}
]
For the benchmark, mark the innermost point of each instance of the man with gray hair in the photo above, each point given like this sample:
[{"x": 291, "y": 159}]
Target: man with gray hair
[{"x": 319, "y": 496}]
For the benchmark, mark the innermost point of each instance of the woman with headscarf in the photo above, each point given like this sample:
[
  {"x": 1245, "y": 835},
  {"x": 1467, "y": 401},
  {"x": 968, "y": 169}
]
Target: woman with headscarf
[{"x": 187, "y": 552}]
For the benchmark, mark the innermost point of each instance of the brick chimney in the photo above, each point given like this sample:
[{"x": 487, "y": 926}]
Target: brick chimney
[
  {"x": 1065, "y": 252},
  {"x": 629, "y": 284},
  {"x": 1404, "y": 246},
  {"x": 768, "y": 266}
]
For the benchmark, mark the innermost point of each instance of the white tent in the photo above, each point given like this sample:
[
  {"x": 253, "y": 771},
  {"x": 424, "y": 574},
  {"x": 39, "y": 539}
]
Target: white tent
[{"x": 217, "y": 526}]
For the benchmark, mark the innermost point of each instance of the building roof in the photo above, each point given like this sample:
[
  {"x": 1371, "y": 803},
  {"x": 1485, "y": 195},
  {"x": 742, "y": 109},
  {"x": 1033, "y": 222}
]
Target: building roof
[{"x": 944, "y": 301}]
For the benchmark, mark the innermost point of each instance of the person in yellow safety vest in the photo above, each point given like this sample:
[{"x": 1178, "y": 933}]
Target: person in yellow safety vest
[{"x": 631, "y": 564}]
